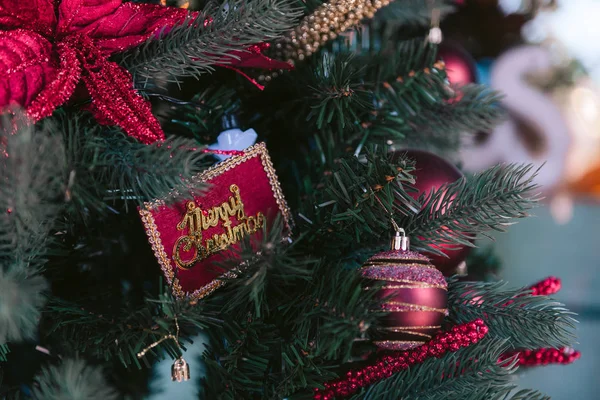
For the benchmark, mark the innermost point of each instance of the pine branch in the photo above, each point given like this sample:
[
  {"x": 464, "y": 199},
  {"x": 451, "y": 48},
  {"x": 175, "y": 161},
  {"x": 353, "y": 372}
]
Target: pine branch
[
  {"x": 469, "y": 369},
  {"x": 441, "y": 125},
  {"x": 337, "y": 307},
  {"x": 357, "y": 201},
  {"x": 483, "y": 393},
  {"x": 109, "y": 167},
  {"x": 402, "y": 95},
  {"x": 250, "y": 358},
  {"x": 32, "y": 173},
  {"x": 200, "y": 43},
  {"x": 528, "y": 322},
  {"x": 238, "y": 364},
  {"x": 131, "y": 169},
  {"x": 339, "y": 96},
  {"x": 306, "y": 314},
  {"x": 72, "y": 379},
  {"x": 203, "y": 114},
  {"x": 120, "y": 336},
  {"x": 459, "y": 212},
  {"x": 407, "y": 79},
  {"x": 32, "y": 191},
  {"x": 271, "y": 269},
  {"x": 349, "y": 92}
]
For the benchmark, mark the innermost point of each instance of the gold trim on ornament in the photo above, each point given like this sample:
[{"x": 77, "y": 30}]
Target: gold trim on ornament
[
  {"x": 405, "y": 287},
  {"x": 426, "y": 336},
  {"x": 387, "y": 343},
  {"x": 413, "y": 287},
  {"x": 413, "y": 307},
  {"x": 394, "y": 263},
  {"x": 410, "y": 284},
  {"x": 401, "y": 257},
  {"x": 405, "y": 328},
  {"x": 258, "y": 150}
]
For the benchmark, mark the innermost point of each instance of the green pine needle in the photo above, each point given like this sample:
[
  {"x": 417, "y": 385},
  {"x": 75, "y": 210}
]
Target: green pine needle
[
  {"x": 471, "y": 367},
  {"x": 108, "y": 167},
  {"x": 33, "y": 189},
  {"x": 196, "y": 47},
  {"x": 526, "y": 321},
  {"x": 456, "y": 213}
]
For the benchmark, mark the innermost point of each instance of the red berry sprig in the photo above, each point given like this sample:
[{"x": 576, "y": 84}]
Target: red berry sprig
[
  {"x": 544, "y": 356},
  {"x": 546, "y": 287},
  {"x": 534, "y": 358},
  {"x": 385, "y": 366}
]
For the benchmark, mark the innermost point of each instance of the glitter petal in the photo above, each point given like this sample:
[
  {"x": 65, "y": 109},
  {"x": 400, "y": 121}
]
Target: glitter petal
[{"x": 405, "y": 273}]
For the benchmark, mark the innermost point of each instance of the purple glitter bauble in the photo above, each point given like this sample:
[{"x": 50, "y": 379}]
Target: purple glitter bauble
[{"x": 415, "y": 295}]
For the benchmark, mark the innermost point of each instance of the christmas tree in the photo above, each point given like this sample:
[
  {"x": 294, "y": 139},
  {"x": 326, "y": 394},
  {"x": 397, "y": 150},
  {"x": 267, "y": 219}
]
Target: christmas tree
[{"x": 122, "y": 238}]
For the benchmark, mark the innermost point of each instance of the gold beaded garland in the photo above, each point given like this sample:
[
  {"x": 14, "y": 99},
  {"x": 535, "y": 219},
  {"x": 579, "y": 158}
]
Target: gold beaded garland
[{"x": 324, "y": 24}]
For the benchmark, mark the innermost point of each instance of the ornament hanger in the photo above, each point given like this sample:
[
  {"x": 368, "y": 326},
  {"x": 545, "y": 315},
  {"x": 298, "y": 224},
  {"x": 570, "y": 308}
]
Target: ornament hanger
[
  {"x": 180, "y": 370},
  {"x": 400, "y": 242}
]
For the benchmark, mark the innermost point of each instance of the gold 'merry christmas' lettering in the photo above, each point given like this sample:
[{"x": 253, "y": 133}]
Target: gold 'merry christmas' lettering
[{"x": 197, "y": 220}]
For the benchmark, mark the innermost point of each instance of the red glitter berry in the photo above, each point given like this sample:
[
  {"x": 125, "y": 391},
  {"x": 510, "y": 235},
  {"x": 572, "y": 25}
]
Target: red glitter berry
[{"x": 387, "y": 365}]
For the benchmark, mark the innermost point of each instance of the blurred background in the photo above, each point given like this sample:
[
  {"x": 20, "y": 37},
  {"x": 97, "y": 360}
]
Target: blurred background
[{"x": 545, "y": 57}]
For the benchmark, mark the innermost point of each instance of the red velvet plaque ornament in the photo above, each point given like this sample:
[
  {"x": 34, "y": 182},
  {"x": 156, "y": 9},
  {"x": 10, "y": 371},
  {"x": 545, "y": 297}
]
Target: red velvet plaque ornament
[{"x": 191, "y": 238}]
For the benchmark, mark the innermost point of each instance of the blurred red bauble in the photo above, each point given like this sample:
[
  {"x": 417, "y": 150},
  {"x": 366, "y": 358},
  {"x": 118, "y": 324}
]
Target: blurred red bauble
[
  {"x": 415, "y": 295},
  {"x": 460, "y": 66},
  {"x": 431, "y": 172}
]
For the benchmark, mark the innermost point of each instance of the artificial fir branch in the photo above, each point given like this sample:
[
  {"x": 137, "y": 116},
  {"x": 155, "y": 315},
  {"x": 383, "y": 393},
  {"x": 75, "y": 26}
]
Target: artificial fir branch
[
  {"x": 360, "y": 197},
  {"x": 120, "y": 336},
  {"x": 483, "y": 393},
  {"x": 337, "y": 306},
  {"x": 458, "y": 212},
  {"x": 347, "y": 91},
  {"x": 307, "y": 315},
  {"x": 194, "y": 47},
  {"x": 529, "y": 322},
  {"x": 358, "y": 200},
  {"x": 33, "y": 189},
  {"x": 473, "y": 366},
  {"x": 339, "y": 96},
  {"x": 109, "y": 168},
  {"x": 203, "y": 114},
  {"x": 401, "y": 95},
  {"x": 442, "y": 125},
  {"x": 32, "y": 193},
  {"x": 271, "y": 269}
]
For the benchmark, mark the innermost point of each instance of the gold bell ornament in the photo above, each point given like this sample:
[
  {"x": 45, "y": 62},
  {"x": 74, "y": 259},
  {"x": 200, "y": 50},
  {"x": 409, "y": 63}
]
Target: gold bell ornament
[{"x": 180, "y": 371}]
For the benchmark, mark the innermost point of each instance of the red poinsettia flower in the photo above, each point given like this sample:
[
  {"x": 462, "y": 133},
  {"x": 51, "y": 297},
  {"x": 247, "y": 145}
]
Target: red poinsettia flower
[{"x": 48, "y": 46}]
